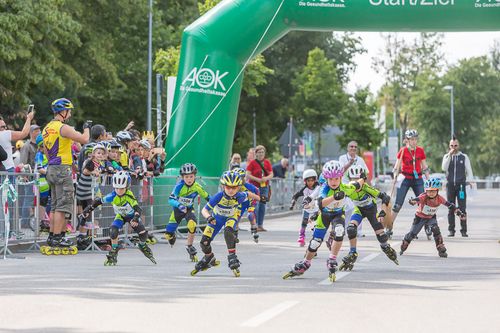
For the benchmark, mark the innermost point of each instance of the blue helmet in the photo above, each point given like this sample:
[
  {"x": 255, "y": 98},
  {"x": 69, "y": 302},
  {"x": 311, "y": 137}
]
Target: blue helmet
[
  {"x": 39, "y": 139},
  {"x": 61, "y": 104},
  {"x": 231, "y": 178},
  {"x": 433, "y": 184}
]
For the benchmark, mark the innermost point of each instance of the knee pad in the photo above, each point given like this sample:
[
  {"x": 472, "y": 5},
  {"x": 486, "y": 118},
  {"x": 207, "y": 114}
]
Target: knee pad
[
  {"x": 113, "y": 232},
  {"x": 191, "y": 225},
  {"x": 352, "y": 231},
  {"x": 205, "y": 244},
  {"x": 396, "y": 208},
  {"x": 230, "y": 237},
  {"x": 314, "y": 244},
  {"x": 382, "y": 238},
  {"x": 339, "y": 233},
  {"x": 435, "y": 230}
]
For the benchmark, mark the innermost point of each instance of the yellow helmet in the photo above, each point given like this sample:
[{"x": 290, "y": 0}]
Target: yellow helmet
[
  {"x": 19, "y": 144},
  {"x": 231, "y": 178}
]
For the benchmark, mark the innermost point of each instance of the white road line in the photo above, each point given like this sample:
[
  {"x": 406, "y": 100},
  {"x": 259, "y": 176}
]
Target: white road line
[
  {"x": 269, "y": 314},
  {"x": 370, "y": 257},
  {"x": 340, "y": 275}
]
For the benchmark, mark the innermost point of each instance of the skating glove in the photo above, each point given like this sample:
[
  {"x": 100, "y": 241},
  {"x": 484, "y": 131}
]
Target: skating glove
[
  {"x": 363, "y": 175},
  {"x": 306, "y": 201},
  {"x": 459, "y": 213},
  {"x": 385, "y": 198},
  {"x": 211, "y": 220},
  {"x": 263, "y": 199},
  {"x": 87, "y": 124},
  {"x": 292, "y": 205},
  {"x": 339, "y": 195},
  {"x": 412, "y": 201},
  {"x": 183, "y": 208}
]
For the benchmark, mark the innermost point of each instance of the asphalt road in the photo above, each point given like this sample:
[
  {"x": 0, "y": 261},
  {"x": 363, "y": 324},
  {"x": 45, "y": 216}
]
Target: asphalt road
[{"x": 424, "y": 293}]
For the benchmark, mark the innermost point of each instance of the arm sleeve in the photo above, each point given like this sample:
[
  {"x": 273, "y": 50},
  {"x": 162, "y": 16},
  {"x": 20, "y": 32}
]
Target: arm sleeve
[
  {"x": 137, "y": 208},
  {"x": 201, "y": 191},
  {"x": 443, "y": 201},
  {"x": 316, "y": 192},
  {"x": 370, "y": 190},
  {"x": 468, "y": 169},
  {"x": 446, "y": 162},
  {"x": 213, "y": 201},
  {"x": 299, "y": 194},
  {"x": 109, "y": 197},
  {"x": 173, "y": 200}
]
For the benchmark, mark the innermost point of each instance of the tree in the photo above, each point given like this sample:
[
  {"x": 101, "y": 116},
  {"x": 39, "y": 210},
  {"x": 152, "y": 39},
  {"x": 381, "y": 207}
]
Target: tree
[
  {"x": 357, "y": 121},
  {"x": 319, "y": 97}
]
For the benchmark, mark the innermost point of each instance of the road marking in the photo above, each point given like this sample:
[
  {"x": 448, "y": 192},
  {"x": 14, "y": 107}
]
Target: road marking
[
  {"x": 370, "y": 257},
  {"x": 269, "y": 314},
  {"x": 340, "y": 275}
]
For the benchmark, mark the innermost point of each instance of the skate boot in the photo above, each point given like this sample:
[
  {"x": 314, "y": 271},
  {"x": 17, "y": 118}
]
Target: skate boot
[
  {"x": 44, "y": 248},
  {"x": 331, "y": 264},
  {"x": 348, "y": 261},
  {"x": 329, "y": 241},
  {"x": 191, "y": 250},
  {"x": 302, "y": 238},
  {"x": 170, "y": 238},
  {"x": 61, "y": 245},
  {"x": 404, "y": 246},
  {"x": 112, "y": 257},
  {"x": 442, "y": 252},
  {"x": 234, "y": 264},
  {"x": 298, "y": 269},
  {"x": 204, "y": 264},
  {"x": 255, "y": 234},
  {"x": 83, "y": 242},
  {"x": 428, "y": 232},
  {"x": 390, "y": 253},
  {"x": 147, "y": 252},
  {"x": 151, "y": 240}
]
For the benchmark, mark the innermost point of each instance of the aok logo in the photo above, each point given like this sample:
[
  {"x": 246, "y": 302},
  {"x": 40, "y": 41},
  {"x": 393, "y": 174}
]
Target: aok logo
[
  {"x": 322, "y": 3},
  {"x": 205, "y": 78}
]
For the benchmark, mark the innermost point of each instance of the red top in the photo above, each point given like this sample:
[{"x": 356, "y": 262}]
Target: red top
[
  {"x": 412, "y": 160},
  {"x": 428, "y": 207},
  {"x": 257, "y": 171}
]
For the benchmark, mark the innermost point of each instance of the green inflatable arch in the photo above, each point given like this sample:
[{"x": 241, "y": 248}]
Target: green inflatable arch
[{"x": 217, "y": 47}]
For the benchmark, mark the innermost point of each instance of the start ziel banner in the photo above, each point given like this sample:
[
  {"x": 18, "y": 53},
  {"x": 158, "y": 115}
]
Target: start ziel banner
[{"x": 412, "y": 2}]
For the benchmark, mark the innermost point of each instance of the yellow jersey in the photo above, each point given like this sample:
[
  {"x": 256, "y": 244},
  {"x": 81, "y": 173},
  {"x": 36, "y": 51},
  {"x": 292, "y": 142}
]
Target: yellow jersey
[{"x": 58, "y": 147}]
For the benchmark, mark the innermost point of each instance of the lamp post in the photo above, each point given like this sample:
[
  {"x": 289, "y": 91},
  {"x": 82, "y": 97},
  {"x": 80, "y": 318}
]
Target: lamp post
[
  {"x": 450, "y": 88},
  {"x": 150, "y": 47}
]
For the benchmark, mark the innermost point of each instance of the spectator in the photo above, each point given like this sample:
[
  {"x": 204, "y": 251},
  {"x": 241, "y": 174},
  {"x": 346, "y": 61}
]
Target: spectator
[
  {"x": 250, "y": 157},
  {"x": 3, "y": 157},
  {"x": 279, "y": 169},
  {"x": 57, "y": 139},
  {"x": 27, "y": 164},
  {"x": 97, "y": 133},
  {"x": 7, "y": 136},
  {"x": 259, "y": 172},
  {"x": 458, "y": 173},
  {"x": 16, "y": 155},
  {"x": 235, "y": 161},
  {"x": 411, "y": 162},
  {"x": 351, "y": 158}
]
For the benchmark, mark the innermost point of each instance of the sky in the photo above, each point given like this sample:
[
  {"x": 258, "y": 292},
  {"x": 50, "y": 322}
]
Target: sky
[{"x": 456, "y": 46}]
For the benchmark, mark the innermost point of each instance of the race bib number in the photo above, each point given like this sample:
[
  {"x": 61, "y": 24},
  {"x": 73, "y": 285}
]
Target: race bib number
[
  {"x": 336, "y": 204},
  {"x": 363, "y": 203},
  {"x": 427, "y": 210},
  {"x": 185, "y": 201},
  {"x": 123, "y": 210},
  {"x": 224, "y": 211}
]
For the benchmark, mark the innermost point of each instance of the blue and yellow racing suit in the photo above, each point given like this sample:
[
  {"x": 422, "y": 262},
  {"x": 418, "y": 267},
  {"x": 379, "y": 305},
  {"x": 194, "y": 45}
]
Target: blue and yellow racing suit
[
  {"x": 225, "y": 210},
  {"x": 125, "y": 207},
  {"x": 248, "y": 204}
]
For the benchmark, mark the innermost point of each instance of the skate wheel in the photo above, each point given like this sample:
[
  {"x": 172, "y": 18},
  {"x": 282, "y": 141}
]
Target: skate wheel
[
  {"x": 65, "y": 251},
  {"x": 73, "y": 250},
  {"x": 401, "y": 253},
  {"x": 216, "y": 263},
  {"x": 236, "y": 240},
  {"x": 194, "y": 272},
  {"x": 43, "y": 249},
  {"x": 154, "y": 241},
  {"x": 342, "y": 267},
  {"x": 351, "y": 267},
  {"x": 48, "y": 251},
  {"x": 256, "y": 240},
  {"x": 194, "y": 259},
  {"x": 153, "y": 260},
  {"x": 236, "y": 272},
  {"x": 289, "y": 275},
  {"x": 56, "y": 251},
  {"x": 332, "y": 277},
  {"x": 396, "y": 261}
]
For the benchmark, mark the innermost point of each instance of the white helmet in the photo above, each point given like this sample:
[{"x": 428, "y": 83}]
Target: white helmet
[
  {"x": 98, "y": 146},
  {"x": 411, "y": 133},
  {"x": 121, "y": 179},
  {"x": 309, "y": 173},
  {"x": 145, "y": 144},
  {"x": 355, "y": 171},
  {"x": 333, "y": 169}
]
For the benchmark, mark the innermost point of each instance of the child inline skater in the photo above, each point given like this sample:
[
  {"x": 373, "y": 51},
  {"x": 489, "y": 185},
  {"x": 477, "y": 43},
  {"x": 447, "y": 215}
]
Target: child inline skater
[
  {"x": 127, "y": 210},
  {"x": 248, "y": 205},
  {"x": 365, "y": 206},
  {"x": 91, "y": 169},
  {"x": 222, "y": 211},
  {"x": 309, "y": 206},
  {"x": 428, "y": 204},
  {"x": 331, "y": 204},
  {"x": 182, "y": 200}
]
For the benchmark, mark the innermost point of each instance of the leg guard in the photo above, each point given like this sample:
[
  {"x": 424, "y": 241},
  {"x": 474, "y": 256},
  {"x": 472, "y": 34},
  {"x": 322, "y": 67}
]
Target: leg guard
[
  {"x": 191, "y": 225},
  {"x": 383, "y": 238},
  {"x": 142, "y": 232},
  {"x": 352, "y": 231},
  {"x": 113, "y": 232},
  {"x": 314, "y": 244},
  {"x": 339, "y": 233},
  {"x": 205, "y": 244},
  {"x": 230, "y": 237}
]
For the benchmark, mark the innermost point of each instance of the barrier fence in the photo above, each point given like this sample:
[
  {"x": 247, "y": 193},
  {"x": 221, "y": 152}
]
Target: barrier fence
[{"x": 24, "y": 217}]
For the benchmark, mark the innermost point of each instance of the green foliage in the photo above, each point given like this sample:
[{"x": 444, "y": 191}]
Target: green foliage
[
  {"x": 205, "y": 6},
  {"x": 357, "y": 122}
]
